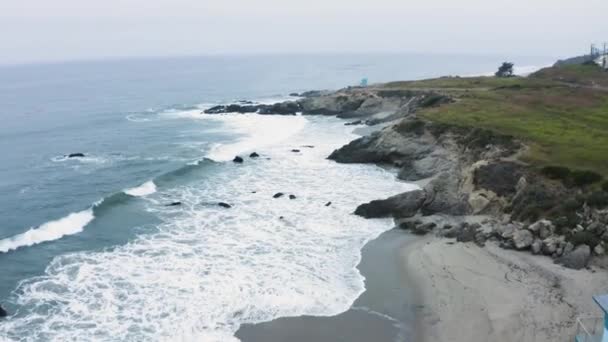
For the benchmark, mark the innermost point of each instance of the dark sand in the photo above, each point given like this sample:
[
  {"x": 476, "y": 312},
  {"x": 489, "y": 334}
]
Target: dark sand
[{"x": 384, "y": 312}]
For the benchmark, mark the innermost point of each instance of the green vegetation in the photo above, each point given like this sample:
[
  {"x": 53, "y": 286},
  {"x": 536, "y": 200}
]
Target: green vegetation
[{"x": 560, "y": 113}]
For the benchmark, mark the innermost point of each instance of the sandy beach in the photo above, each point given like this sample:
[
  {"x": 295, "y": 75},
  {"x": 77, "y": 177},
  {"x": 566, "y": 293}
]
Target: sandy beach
[
  {"x": 435, "y": 289},
  {"x": 468, "y": 293}
]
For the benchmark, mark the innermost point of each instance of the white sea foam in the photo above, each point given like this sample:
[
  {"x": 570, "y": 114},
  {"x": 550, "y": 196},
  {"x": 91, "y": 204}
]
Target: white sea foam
[
  {"x": 145, "y": 189},
  {"x": 208, "y": 269},
  {"x": 257, "y": 131},
  {"x": 72, "y": 224}
]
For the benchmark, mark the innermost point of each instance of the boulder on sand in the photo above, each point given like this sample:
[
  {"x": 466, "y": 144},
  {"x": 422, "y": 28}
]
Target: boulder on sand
[
  {"x": 523, "y": 239},
  {"x": 423, "y": 229},
  {"x": 577, "y": 259},
  {"x": 237, "y": 159}
]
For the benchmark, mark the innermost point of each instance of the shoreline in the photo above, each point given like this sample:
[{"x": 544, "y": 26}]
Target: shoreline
[
  {"x": 435, "y": 289},
  {"x": 384, "y": 312}
]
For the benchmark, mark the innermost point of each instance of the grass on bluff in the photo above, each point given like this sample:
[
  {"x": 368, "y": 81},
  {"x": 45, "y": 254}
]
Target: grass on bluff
[{"x": 565, "y": 124}]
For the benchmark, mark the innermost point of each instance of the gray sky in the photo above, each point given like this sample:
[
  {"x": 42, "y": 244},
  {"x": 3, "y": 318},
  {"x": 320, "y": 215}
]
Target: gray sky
[{"x": 49, "y": 30}]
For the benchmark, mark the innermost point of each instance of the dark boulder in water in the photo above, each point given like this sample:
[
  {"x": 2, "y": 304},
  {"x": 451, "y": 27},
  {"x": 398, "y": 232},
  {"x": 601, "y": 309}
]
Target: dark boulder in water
[
  {"x": 215, "y": 110},
  {"x": 254, "y": 155},
  {"x": 354, "y": 123},
  {"x": 281, "y": 108},
  {"x": 295, "y": 150},
  {"x": 3, "y": 312},
  {"x": 278, "y": 195},
  {"x": 76, "y": 155},
  {"x": 292, "y": 197},
  {"x": 327, "y": 204},
  {"x": 294, "y": 94},
  {"x": 224, "y": 205},
  {"x": 174, "y": 204},
  {"x": 237, "y": 159}
]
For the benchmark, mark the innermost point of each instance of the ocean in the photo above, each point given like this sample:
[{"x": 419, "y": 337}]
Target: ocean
[{"x": 90, "y": 249}]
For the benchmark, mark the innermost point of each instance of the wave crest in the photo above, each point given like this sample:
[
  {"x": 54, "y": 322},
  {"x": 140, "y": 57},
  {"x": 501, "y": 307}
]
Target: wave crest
[{"x": 69, "y": 225}]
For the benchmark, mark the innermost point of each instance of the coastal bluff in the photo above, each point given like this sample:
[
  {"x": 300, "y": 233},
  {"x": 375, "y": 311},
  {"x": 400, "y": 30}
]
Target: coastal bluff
[
  {"x": 512, "y": 199},
  {"x": 483, "y": 146}
]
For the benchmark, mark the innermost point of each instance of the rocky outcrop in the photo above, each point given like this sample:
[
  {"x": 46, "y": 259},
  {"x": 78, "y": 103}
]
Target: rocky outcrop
[
  {"x": 281, "y": 108},
  {"x": 403, "y": 205}
]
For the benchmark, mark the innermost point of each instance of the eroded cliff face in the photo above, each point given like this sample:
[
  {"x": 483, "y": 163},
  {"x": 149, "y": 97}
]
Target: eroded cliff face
[
  {"x": 459, "y": 163},
  {"x": 469, "y": 172}
]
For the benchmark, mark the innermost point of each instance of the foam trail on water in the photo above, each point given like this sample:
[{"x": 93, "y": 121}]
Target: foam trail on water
[
  {"x": 257, "y": 130},
  {"x": 206, "y": 270},
  {"x": 145, "y": 189},
  {"x": 72, "y": 224}
]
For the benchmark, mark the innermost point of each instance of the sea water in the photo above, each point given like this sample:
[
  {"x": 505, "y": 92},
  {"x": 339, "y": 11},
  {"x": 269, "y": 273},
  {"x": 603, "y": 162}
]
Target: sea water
[{"x": 90, "y": 249}]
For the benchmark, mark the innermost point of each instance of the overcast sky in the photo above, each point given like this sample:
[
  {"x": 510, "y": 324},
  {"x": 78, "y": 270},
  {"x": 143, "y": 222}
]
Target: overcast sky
[{"x": 50, "y": 30}]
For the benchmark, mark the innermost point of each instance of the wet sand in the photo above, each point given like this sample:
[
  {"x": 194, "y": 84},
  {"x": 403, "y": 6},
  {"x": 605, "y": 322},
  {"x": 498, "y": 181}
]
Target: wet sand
[
  {"x": 383, "y": 313},
  {"x": 435, "y": 289}
]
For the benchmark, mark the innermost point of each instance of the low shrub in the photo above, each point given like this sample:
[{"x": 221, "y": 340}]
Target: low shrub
[
  {"x": 584, "y": 238},
  {"x": 432, "y": 100},
  {"x": 414, "y": 126},
  {"x": 598, "y": 199},
  {"x": 583, "y": 178},
  {"x": 556, "y": 172}
]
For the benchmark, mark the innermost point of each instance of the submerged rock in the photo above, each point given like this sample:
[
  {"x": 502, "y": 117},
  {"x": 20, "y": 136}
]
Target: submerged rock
[
  {"x": 238, "y": 160},
  {"x": 278, "y": 195},
  {"x": 224, "y": 205},
  {"x": 354, "y": 123},
  {"x": 174, "y": 204},
  {"x": 76, "y": 155}
]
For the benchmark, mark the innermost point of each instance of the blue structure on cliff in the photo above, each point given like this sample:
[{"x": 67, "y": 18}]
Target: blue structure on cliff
[{"x": 594, "y": 329}]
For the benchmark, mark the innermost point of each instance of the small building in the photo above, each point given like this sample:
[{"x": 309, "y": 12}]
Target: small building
[{"x": 594, "y": 329}]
